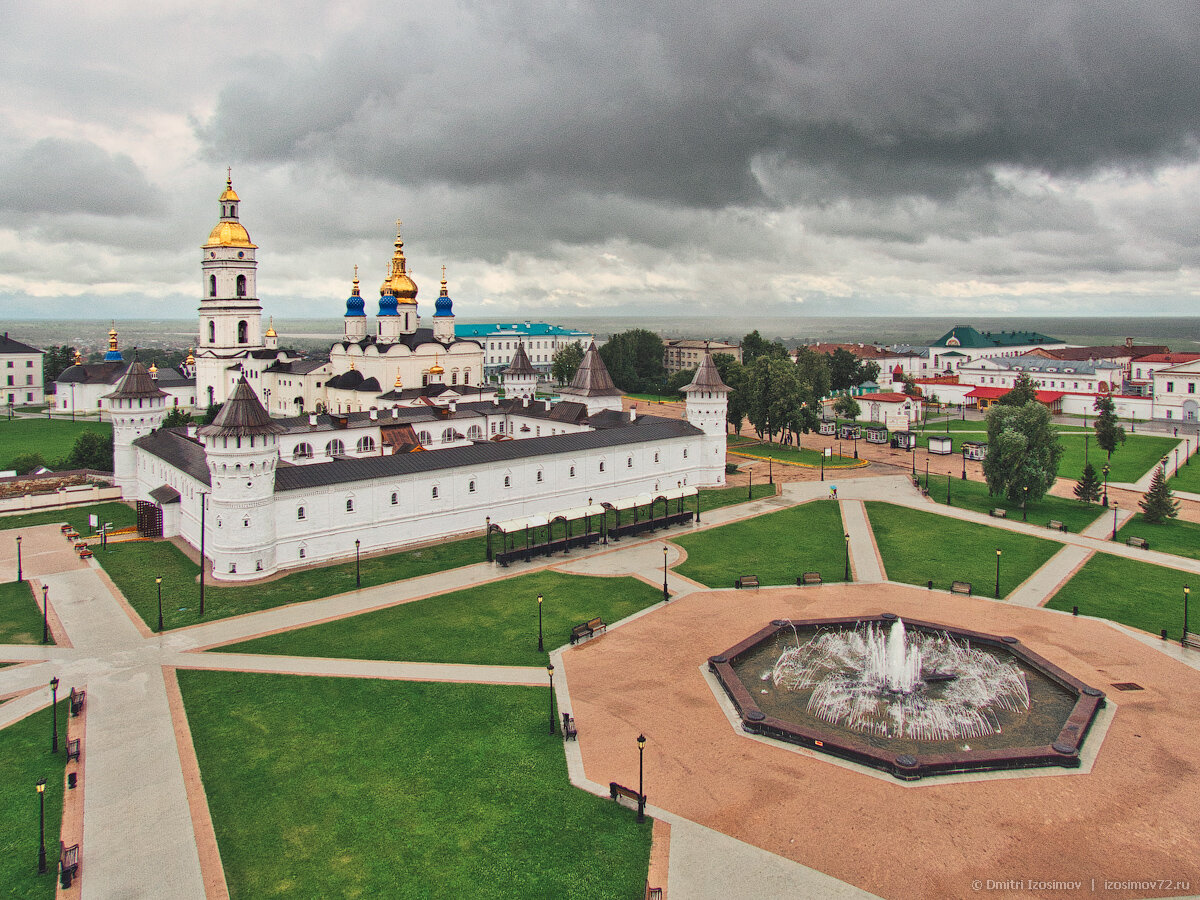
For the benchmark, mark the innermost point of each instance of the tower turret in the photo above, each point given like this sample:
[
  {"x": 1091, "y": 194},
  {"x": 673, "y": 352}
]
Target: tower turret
[
  {"x": 241, "y": 448},
  {"x": 356, "y": 317},
  {"x": 592, "y": 385},
  {"x": 136, "y": 408},
  {"x": 520, "y": 378},
  {"x": 707, "y": 406},
  {"x": 400, "y": 315},
  {"x": 443, "y": 317}
]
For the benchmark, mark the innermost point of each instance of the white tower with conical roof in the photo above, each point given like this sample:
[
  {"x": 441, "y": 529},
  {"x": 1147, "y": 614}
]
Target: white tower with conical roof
[
  {"x": 137, "y": 407},
  {"x": 520, "y": 378},
  {"x": 230, "y": 314},
  {"x": 706, "y": 408},
  {"x": 241, "y": 448}
]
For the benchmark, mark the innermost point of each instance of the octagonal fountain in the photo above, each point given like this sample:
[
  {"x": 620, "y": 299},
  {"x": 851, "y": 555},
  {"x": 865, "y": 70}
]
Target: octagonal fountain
[{"x": 912, "y": 698}]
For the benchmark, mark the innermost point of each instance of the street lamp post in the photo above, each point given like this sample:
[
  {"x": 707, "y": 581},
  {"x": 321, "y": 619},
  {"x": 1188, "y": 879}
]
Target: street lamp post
[
  {"x": 846, "y": 575},
  {"x": 357, "y": 568},
  {"x": 666, "y": 593},
  {"x": 487, "y": 530},
  {"x": 856, "y": 442},
  {"x": 1104, "y": 502},
  {"x": 927, "y": 471},
  {"x": 41, "y": 792},
  {"x": 158, "y": 584},
  {"x": 541, "y": 649},
  {"x": 750, "y": 485},
  {"x": 1025, "y": 504},
  {"x": 1114, "y": 534},
  {"x": 997, "y": 573},
  {"x": 641, "y": 817},
  {"x": 770, "y": 469},
  {"x": 203, "y": 507},
  {"x": 20, "y": 573},
  {"x": 45, "y": 614},
  {"x": 550, "y": 672},
  {"x": 54, "y": 714},
  {"x": 1186, "y": 590},
  {"x": 964, "y": 456},
  {"x": 1177, "y": 461},
  {"x": 1085, "y": 448},
  {"x": 949, "y": 478}
]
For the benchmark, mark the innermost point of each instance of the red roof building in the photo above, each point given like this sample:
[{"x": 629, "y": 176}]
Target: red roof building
[{"x": 986, "y": 396}]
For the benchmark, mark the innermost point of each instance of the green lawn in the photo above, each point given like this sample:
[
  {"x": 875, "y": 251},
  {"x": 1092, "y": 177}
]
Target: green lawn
[
  {"x": 24, "y": 758},
  {"x": 941, "y": 426},
  {"x": 732, "y": 440},
  {"x": 715, "y": 498},
  {"x": 1188, "y": 478},
  {"x": 52, "y": 438},
  {"x": 974, "y": 495},
  {"x": 325, "y": 787},
  {"x": 491, "y": 624},
  {"x": 656, "y": 398},
  {"x": 778, "y": 547},
  {"x": 804, "y": 456},
  {"x": 134, "y": 566},
  {"x": 1173, "y": 536},
  {"x": 20, "y": 614},
  {"x": 1135, "y": 593},
  {"x": 1130, "y": 461},
  {"x": 918, "y": 546},
  {"x": 118, "y": 513}
]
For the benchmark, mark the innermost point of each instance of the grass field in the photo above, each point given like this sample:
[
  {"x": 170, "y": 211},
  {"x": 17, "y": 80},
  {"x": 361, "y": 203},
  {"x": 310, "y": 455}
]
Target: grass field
[
  {"x": 24, "y": 758},
  {"x": 134, "y": 566},
  {"x": 20, "y": 614},
  {"x": 803, "y": 456},
  {"x": 656, "y": 398},
  {"x": 1134, "y": 593},
  {"x": 777, "y": 547},
  {"x": 1188, "y": 478},
  {"x": 918, "y": 546},
  {"x": 1130, "y": 461},
  {"x": 323, "y": 787},
  {"x": 52, "y": 438},
  {"x": 1173, "y": 536},
  {"x": 118, "y": 513},
  {"x": 974, "y": 495},
  {"x": 491, "y": 624},
  {"x": 715, "y": 498},
  {"x": 942, "y": 426}
]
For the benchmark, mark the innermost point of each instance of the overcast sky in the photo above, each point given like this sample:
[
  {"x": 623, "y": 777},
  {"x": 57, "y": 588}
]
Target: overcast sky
[{"x": 830, "y": 157}]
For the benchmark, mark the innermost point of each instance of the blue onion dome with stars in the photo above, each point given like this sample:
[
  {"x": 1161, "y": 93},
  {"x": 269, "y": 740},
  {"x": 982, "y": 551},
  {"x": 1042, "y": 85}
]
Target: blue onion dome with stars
[
  {"x": 444, "y": 305},
  {"x": 113, "y": 354},
  {"x": 355, "y": 305}
]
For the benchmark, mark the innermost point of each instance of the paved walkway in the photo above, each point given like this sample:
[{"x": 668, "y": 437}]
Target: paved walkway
[{"x": 135, "y": 795}]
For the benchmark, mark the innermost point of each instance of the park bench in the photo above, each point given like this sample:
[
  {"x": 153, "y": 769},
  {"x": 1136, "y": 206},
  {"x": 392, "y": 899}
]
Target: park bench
[
  {"x": 77, "y": 698},
  {"x": 1138, "y": 542},
  {"x": 73, "y": 750},
  {"x": 68, "y": 863},
  {"x": 587, "y": 629},
  {"x": 999, "y": 513},
  {"x": 808, "y": 578},
  {"x": 72, "y": 535},
  {"x": 1191, "y": 639},
  {"x": 961, "y": 587},
  {"x": 85, "y": 553},
  {"x": 1056, "y": 525},
  {"x": 65, "y": 528},
  {"x": 619, "y": 790},
  {"x": 570, "y": 732},
  {"x": 746, "y": 581}
]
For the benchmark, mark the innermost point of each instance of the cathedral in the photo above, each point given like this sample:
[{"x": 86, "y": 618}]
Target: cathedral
[{"x": 392, "y": 442}]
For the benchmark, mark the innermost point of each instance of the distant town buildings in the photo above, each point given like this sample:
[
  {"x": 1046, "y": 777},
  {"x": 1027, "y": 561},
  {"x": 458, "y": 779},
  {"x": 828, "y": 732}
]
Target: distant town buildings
[
  {"x": 500, "y": 342},
  {"x": 682, "y": 355},
  {"x": 22, "y": 366}
]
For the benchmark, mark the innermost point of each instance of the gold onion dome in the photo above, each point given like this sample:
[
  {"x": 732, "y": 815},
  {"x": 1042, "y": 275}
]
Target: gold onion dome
[
  {"x": 191, "y": 359},
  {"x": 229, "y": 232},
  {"x": 397, "y": 281},
  {"x": 436, "y": 369},
  {"x": 271, "y": 327},
  {"x": 399, "y": 384}
]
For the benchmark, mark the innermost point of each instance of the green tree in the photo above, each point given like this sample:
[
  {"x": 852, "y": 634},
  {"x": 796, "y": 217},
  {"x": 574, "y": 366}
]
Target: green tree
[
  {"x": 1087, "y": 488},
  {"x": 1023, "y": 391},
  {"x": 843, "y": 366},
  {"x": 565, "y": 362},
  {"x": 755, "y": 345},
  {"x": 868, "y": 370},
  {"x": 1108, "y": 432},
  {"x": 774, "y": 393},
  {"x": 679, "y": 380},
  {"x": 57, "y": 360},
  {"x": 911, "y": 389},
  {"x": 26, "y": 463},
  {"x": 634, "y": 360},
  {"x": 814, "y": 370},
  {"x": 91, "y": 451},
  {"x": 733, "y": 373},
  {"x": 847, "y": 407},
  {"x": 176, "y": 418},
  {"x": 1023, "y": 451},
  {"x": 213, "y": 409},
  {"x": 1159, "y": 503}
]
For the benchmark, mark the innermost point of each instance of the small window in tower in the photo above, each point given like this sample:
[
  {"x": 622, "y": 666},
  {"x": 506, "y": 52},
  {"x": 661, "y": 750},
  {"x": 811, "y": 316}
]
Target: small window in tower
[
  {"x": 434, "y": 493},
  {"x": 539, "y": 475},
  {"x": 212, "y": 285},
  {"x": 350, "y": 505},
  {"x": 243, "y": 329},
  {"x": 233, "y": 568},
  {"x": 572, "y": 472},
  {"x": 241, "y": 285},
  {"x": 601, "y": 465},
  {"x": 303, "y": 553},
  {"x": 470, "y": 487},
  {"x": 508, "y": 481},
  {"x": 300, "y": 513},
  {"x": 629, "y": 462},
  {"x": 395, "y": 498}
]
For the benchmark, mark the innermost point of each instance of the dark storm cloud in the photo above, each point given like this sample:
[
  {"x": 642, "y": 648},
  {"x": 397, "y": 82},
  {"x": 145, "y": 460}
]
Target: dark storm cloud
[
  {"x": 62, "y": 177},
  {"x": 711, "y": 107}
]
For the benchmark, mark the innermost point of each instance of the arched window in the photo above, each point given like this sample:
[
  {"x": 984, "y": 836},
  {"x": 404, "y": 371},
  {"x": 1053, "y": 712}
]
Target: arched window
[
  {"x": 335, "y": 448},
  {"x": 300, "y": 513},
  {"x": 366, "y": 444},
  {"x": 475, "y": 433},
  {"x": 241, "y": 286},
  {"x": 572, "y": 473},
  {"x": 466, "y": 376},
  {"x": 435, "y": 492},
  {"x": 242, "y": 330},
  {"x": 303, "y": 451},
  {"x": 425, "y": 437},
  {"x": 601, "y": 465},
  {"x": 245, "y": 521},
  {"x": 629, "y": 463},
  {"x": 349, "y": 504},
  {"x": 212, "y": 285},
  {"x": 471, "y": 487},
  {"x": 448, "y": 436},
  {"x": 656, "y": 457},
  {"x": 685, "y": 452},
  {"x": 507, "y": 481},
  {"x": 539, "y": 475},
  {"x": 454, "y": 376},
  {"x": 212, "y": 339}
]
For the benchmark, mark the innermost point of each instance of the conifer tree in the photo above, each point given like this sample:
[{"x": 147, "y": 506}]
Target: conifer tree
[
  {"x": 1087, "y": 488},
  {"x": 1108, "y": 432},
  {"x": 1158, "y": 503}
]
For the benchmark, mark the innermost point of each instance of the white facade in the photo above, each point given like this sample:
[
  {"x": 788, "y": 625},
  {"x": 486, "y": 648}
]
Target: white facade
[
  {"x": 22, "y": 373},
  {"x": 1177, "y": 393}
]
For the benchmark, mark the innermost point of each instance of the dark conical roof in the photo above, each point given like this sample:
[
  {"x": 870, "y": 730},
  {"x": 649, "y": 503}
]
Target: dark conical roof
[
  {"x": 707, "y": 377},
  {"x": 520, "y": 364},
  {"x": 592, "y": 378},
  {"x": 135, "y": 384},
  {"x": 243, "y": 414}
]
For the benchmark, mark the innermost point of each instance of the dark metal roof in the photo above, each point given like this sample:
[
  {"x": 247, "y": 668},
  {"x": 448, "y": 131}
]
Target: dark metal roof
[
  {"x": 520, "y": 364},
  {"x": 164, "y": 494},
  {"x": 242, "y": 415},
  {"x": 592, "y": 379},
  {"x": 296, "y": 366},
  {"x": 8, "y": 345},
  {"x": 94, "y": 373},
  {"x": 643, "y": 430},
  {"x": 136, "y": 385},
  {"x": 174, "y": 447}
]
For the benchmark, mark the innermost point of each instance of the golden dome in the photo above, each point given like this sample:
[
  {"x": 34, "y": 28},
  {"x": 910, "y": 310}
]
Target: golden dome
[
  {"x": 229, "y": 234},
  {"x": 191, "y": 360},
  {"x": 271, "y": 328},
  {"x": 399, "y": 384},
  {"x": 112, "y": 338},
  {"x": 436, "y": 369},
  {"x": 403, "y": 288},
  {"x": 153, "y": 370},
  {"x": 229, "y": 193},
  {"x": 78, "y": 358}
]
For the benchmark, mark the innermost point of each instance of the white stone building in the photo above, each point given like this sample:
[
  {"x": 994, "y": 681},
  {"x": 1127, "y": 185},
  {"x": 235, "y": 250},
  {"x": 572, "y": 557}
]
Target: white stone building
[{"x": 22, "y": 372}]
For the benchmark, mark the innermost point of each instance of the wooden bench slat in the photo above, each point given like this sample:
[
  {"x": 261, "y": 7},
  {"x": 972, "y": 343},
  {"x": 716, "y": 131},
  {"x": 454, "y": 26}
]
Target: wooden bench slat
[
  {"x": 1191, "y": 639},
  {"x": 809, "y": 578},
  {"x": 961, "y": 587}
]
